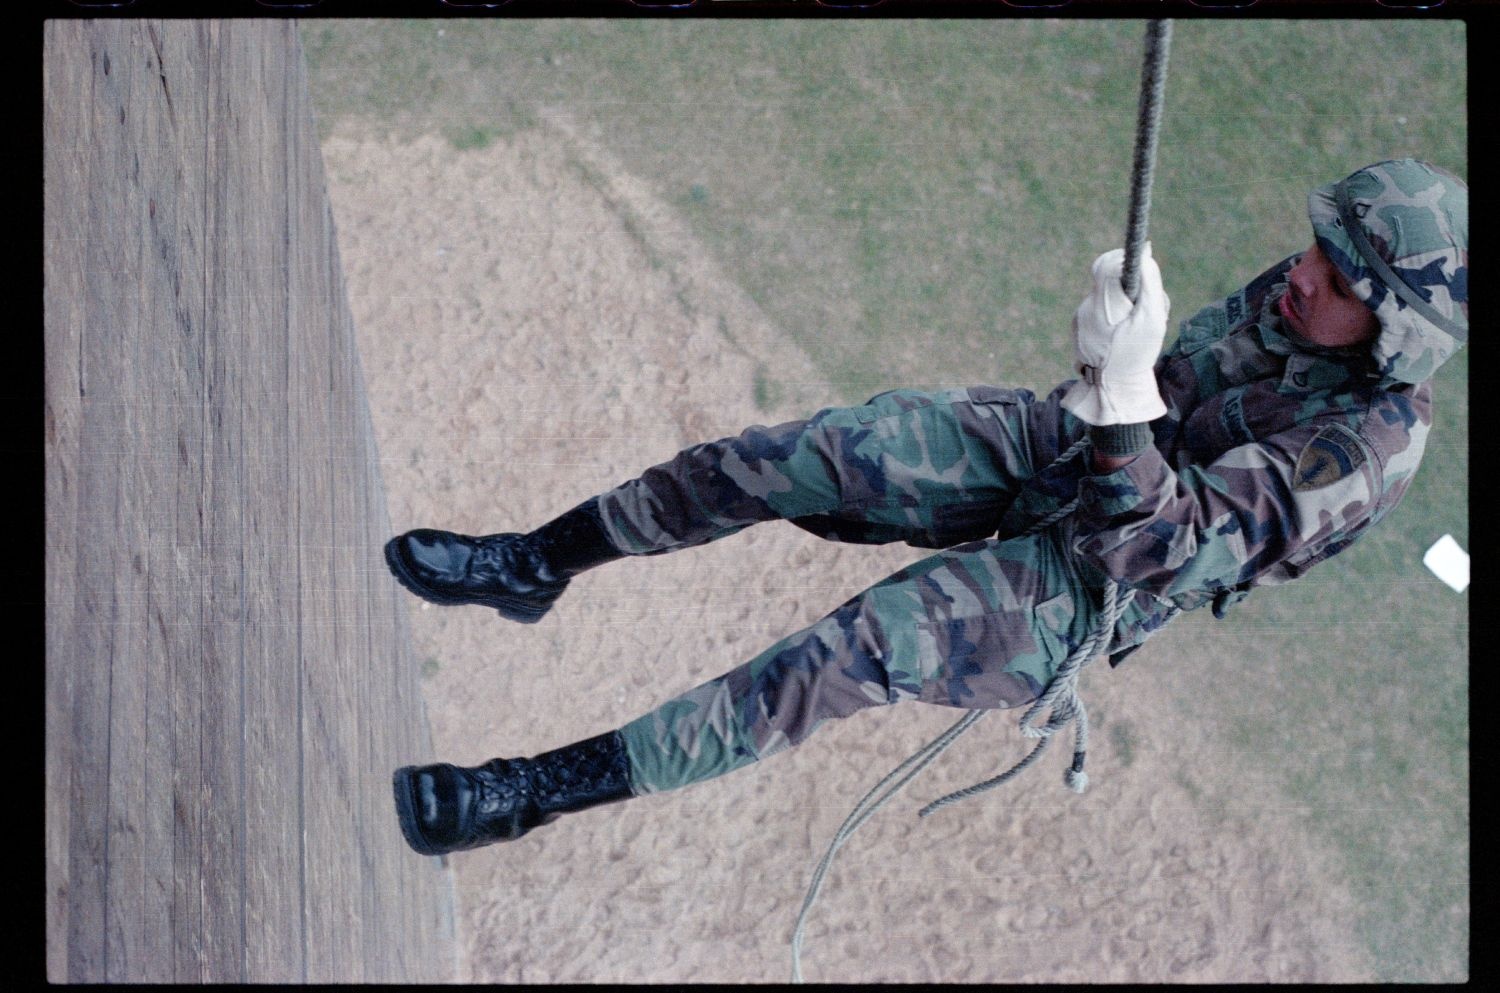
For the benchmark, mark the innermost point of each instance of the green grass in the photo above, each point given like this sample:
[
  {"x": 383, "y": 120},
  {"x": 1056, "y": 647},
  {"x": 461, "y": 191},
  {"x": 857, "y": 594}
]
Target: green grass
[
  {"x": 466, "y": 138},
  {"x": 917, "y": 203}
]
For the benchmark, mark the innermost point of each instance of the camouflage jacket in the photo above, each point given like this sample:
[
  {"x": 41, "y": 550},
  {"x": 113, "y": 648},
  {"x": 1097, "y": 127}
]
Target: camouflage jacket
[{"x": 1271, "y": 458}]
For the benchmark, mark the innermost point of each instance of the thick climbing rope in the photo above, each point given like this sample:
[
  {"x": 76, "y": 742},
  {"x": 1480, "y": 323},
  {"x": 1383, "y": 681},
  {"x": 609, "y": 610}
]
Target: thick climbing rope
[
  {"x": 1143, "y": 169},
  {"x": 1061, "y": 694}
]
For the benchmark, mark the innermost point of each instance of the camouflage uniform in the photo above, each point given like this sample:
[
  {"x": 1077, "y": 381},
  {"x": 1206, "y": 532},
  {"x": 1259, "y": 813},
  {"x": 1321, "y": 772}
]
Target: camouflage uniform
[{"x": 1273, "y": 455}]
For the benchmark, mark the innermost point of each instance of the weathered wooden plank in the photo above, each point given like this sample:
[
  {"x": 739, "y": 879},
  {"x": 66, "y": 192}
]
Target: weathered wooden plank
[
  {"x": 174, "y": 213},
  {"x": 333, "y": 836},
  {"x": 374, "y": 810},
  {"x": 257, "y": 192},
  {"x": 144, "y": 340},
  {"x": 66, "y": 164},
  {"x": 368, "y": 915},
  {"x": 106, "y": 248},
  {"x": 331, "y": 771},
  {"x": 180, "y": 543},
  {"x": 381, "y": 721},
  {"x": 222, "y": 855},
  {"x": 228, "y": 669},
  {"x": 122, "y": 228},
  {"x": 393, "y": 740}
]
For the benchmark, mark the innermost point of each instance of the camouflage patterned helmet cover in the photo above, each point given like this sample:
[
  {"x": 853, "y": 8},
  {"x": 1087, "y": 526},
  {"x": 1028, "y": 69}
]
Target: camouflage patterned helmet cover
[{"x": 1399, "y": 231}]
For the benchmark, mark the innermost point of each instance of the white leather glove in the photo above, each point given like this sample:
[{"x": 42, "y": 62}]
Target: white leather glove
[{"x": 1116, "y": 345}]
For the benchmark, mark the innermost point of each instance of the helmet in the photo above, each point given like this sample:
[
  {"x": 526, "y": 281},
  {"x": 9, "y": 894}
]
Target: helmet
[{"x": 1399, "y": 232}]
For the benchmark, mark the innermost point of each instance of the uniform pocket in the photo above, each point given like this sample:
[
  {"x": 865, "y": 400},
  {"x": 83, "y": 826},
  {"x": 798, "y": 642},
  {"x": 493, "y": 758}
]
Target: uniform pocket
[
  {"x": 894, "y": 403},
  {"x": 970, "y": 661},
  {"x": 1000, "y": 395}
]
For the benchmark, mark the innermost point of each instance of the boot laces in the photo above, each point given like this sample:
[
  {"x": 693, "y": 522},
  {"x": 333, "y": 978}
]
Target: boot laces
[
  {"x": 499, "y": 784},
  {"x": 511, "y": 559}
]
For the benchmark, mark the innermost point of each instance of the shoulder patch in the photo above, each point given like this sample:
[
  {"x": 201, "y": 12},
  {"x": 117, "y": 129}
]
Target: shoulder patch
[{"x": 1333, "y": 453}]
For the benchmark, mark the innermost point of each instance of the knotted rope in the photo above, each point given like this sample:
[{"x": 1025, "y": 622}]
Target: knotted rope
[
  {"x": 1061, "y": 694},
  {"x": 1067, "y": 705}
]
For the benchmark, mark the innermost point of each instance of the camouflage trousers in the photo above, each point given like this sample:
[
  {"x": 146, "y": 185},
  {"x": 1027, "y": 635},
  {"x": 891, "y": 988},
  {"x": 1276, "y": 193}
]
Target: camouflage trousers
[{"x": 984, "y": 623}]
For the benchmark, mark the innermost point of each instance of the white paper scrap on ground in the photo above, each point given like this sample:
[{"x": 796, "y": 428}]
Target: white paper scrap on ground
[{"x": 1448, "y": 562}]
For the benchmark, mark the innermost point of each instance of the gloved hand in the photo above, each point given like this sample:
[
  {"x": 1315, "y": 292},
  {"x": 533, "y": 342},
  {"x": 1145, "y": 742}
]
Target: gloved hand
[{"x": 1116, "y": 345}]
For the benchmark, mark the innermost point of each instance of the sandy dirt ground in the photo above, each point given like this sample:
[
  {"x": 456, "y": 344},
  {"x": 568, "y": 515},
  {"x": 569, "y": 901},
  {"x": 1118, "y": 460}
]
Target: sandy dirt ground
[{"x": 534, "y": 327}]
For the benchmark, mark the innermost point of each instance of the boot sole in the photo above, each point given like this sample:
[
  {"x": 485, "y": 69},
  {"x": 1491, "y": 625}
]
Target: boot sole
[
  {"x": 406, "y": 812},
  {"x": 510, "y": 608}
]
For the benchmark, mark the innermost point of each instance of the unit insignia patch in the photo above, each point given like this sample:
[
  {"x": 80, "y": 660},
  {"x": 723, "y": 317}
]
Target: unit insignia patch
[{"x": 1333, "y": 453}]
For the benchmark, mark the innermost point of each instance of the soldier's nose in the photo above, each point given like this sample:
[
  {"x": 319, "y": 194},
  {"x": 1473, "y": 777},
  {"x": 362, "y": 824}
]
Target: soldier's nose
[{"x": 1301, "y": 283}]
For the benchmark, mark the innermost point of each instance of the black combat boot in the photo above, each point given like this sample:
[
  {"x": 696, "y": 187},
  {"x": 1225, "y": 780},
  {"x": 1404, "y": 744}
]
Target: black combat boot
[
  {"x": 443, "y": 808},
  {"x": 520, "y": 575}
]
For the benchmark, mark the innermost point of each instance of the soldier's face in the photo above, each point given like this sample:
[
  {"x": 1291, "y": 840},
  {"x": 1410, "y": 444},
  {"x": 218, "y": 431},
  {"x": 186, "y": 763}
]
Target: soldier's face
[{"x": 1320, "y": 306}]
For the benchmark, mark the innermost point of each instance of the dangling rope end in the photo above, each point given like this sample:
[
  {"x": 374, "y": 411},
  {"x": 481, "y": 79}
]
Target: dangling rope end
[{"x": 1077, "y": 781}]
